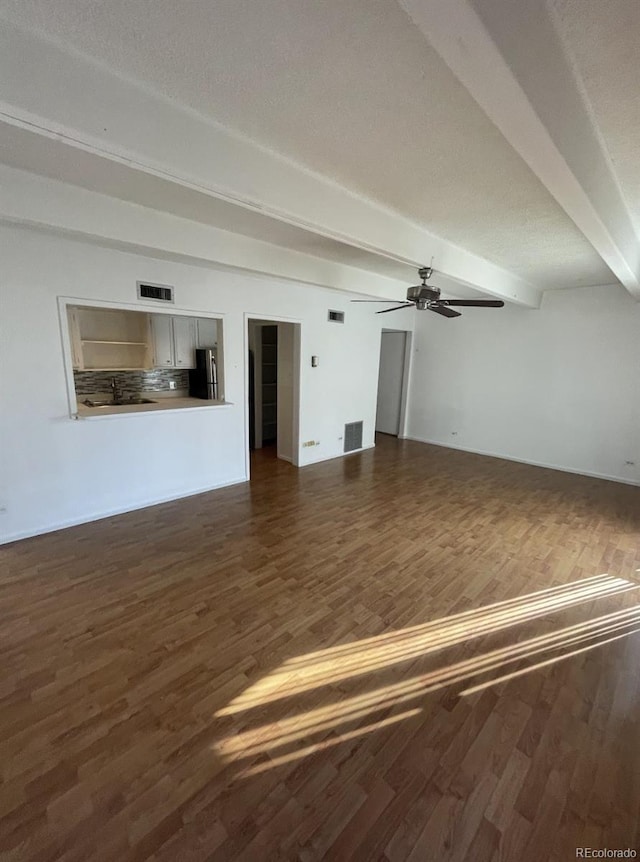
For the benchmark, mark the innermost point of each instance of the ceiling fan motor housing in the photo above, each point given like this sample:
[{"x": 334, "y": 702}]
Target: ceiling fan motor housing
[{"x": 420, "y": 293}]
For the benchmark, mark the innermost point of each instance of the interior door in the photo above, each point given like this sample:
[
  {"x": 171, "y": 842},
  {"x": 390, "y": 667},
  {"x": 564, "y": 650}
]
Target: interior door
[{"x": 390, "y": 380}]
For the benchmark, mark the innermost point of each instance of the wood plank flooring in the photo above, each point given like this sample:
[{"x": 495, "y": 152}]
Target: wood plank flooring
[{"x": 408, "y": 654}]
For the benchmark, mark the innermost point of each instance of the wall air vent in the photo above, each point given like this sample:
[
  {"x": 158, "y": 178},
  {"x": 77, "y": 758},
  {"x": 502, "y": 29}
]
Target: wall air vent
[
  {"x": 352, "y": 436},
  {"x": 336, "y": 316},
  {"x": 157, "y": 292}
]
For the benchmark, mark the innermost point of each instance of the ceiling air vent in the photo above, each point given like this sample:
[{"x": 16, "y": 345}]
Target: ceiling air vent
[
  {"x": 157, "y": 292},
  {"x": 336, "y": 316},
  {"x": 352, "y": 436}
]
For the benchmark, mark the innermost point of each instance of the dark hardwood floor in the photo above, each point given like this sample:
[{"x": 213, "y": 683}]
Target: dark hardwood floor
[{"x": 407, "y": 654}]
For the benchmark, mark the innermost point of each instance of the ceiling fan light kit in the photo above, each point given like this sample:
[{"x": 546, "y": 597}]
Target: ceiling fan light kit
[{"x": 426, "y": 298}]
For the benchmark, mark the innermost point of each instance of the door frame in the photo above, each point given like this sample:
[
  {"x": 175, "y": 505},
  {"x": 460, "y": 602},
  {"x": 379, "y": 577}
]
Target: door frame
[
  {"x": 297, "y": 339},
  {"x": 406, "y": 375}
]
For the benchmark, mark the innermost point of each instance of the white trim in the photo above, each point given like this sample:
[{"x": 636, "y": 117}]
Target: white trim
[
  {"x": 110, "y": 513},
  {"x": 151, "y": 412},
  {"x": 546, "y": 466},
  {"x": 297, "y": 391},
  {"x": 67, "y": 356},
  {"x": 341, "y": 455},
  {"x": 407, "y": 367},
  {"x": 406, "y": 378},
  {"x": 297, "y": 383},
  {"x": 144, "y": 307},
  {"x": 245, "y": 400}
]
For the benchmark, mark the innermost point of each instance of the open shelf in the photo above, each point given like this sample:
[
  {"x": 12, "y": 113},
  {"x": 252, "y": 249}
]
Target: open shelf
[
  {"x": 96, "y": 341},
  {"x": 103, "y": 355},
  {"x": 269, "y": 364},
  {"x": 109, "y": 339}
]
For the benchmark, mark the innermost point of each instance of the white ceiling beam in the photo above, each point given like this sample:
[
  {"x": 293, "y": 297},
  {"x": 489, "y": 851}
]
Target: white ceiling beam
[
  {"x": 509, "y": 57},
  {"x": 64, "y": 96},
  {"x": 29, "y": 200}
]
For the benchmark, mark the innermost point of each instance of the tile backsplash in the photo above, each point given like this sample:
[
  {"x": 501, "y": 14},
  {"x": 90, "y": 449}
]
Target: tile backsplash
[{"x": 153, "y": 380}]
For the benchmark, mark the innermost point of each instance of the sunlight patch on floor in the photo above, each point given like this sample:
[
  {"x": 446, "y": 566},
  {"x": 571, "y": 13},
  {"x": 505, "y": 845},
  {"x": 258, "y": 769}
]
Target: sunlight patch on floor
[
  {"x": 476, "y": 688},
  {"x": 299, "y": 753},
  {"x": 336, "y": 664},
  {"x": 300, "y": 732}
]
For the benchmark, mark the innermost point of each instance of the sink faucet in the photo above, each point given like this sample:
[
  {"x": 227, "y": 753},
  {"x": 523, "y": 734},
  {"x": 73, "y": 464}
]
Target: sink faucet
[{"x": 114, "y": 388}]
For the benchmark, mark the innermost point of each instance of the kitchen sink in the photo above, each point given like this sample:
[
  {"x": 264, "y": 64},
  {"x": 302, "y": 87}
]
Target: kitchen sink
[{"x": 117, "y": 402}]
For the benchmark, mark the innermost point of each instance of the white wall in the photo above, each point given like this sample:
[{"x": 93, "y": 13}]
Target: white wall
[
  {"x": 56, "y": 471},
  {"x": 558, "y": 386}
]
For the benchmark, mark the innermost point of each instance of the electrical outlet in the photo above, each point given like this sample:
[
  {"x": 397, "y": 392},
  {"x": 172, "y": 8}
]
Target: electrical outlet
[
  {"x": 172, "y": 384},
  {"x": 454, "y": 433},
  {"x": 3, "y": 510},
  {"x": 630, "y": 463}
]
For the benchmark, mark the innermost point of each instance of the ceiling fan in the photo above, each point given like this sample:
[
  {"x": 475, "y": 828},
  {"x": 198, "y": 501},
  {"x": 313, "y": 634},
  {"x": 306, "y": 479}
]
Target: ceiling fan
[{"x": 428, "y": 298}]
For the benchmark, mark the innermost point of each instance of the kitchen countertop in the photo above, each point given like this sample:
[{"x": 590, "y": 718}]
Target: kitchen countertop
[{"x": 163, "y": 403}]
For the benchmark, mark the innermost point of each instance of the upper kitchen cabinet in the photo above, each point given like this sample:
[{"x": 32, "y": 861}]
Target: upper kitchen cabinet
[
  {"x": 206, "y": 332},
  {"x": 184, "y": 342},
  {"x": 174, "y": 341},
  {"x": 107, "y": 339},
  {"x": 115, "y": 339},
  {"x": 162, "y": 332}
]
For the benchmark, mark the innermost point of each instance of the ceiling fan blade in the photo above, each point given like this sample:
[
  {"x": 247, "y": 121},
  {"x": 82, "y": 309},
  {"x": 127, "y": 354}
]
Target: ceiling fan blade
[
  {"x": 443, "y": 310},
  {"x": 487, "y": 303},
  {"x": 385, "y": 310},
  {"x": 373, "y": 300}
]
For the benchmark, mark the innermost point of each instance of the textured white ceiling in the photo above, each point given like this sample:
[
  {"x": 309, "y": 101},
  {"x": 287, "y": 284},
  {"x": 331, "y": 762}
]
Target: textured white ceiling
[
  {"x": 603, "y": 41},
  {"x": 350, "y": 89}
]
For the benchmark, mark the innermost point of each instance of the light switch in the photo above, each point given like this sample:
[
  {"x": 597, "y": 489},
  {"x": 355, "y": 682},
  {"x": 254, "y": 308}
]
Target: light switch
[{"x": 314, "y": 361}]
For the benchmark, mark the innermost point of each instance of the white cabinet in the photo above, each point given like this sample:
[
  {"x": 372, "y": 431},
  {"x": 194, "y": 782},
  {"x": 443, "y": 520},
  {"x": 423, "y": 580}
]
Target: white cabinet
[
  {"x": 174, "y": 341},
  {"x": 184, "y": 342},
  {"x": 106, "y": 339},
  {"x": 162, "y": 329},
  {"x": 206, "y": 332}
]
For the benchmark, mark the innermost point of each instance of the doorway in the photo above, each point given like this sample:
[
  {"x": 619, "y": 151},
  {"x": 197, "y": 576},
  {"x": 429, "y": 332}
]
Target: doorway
[
  {"x": 392, "y": 378},
  {"x": 273, "y": 359}
]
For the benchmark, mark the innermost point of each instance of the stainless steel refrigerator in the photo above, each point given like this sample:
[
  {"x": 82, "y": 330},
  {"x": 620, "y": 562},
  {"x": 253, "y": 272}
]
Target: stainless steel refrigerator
[{"x": 203, "y": 379}]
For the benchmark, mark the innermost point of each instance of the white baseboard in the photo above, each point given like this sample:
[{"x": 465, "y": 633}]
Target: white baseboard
[
  {"x": 110, "y": 513},
  {"x": 588, "y": 473},
  {"x": 335, "y": 457}
]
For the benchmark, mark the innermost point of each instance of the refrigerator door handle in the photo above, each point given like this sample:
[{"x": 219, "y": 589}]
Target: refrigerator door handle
[{"x": 213, "y": 375}]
